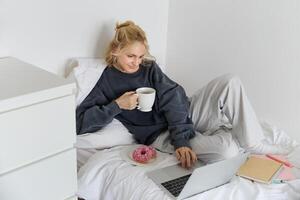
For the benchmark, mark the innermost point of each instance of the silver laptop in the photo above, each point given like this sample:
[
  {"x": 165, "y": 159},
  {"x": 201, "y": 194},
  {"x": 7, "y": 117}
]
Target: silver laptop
[{"x": 180, "y": 183}]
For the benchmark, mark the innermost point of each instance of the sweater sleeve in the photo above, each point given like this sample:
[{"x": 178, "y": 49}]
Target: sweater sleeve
[
  {"x": 174, "y": 104},
  {"x": 95, "y": 112}
]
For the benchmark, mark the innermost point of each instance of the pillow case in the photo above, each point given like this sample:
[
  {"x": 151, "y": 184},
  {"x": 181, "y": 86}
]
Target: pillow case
[
  {"x": 86, "y": 72},
  {"x": 114, "y": 134}
]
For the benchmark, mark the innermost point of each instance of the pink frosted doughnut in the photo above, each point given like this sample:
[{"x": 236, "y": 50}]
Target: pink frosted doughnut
[{"x": 143, "y": 154}]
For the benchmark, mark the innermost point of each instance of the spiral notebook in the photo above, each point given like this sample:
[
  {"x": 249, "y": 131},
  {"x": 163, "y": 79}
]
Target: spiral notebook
[{"x": 259, "y": 169}]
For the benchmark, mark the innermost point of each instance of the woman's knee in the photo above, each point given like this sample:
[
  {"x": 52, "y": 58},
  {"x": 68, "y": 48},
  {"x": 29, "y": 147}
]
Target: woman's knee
[
  {"x": 220, "y": 82},
  {"x": 229, "y": 79}
]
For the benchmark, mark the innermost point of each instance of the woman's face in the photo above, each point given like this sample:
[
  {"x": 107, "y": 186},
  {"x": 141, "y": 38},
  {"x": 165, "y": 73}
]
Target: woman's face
[{"x": 129, "y": 58}]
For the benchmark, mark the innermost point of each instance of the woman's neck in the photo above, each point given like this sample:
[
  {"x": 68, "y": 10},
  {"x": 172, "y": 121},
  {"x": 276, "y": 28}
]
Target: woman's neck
[{"x": 117, "y": 66}]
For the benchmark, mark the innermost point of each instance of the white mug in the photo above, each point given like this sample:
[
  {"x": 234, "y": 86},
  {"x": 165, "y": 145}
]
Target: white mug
[{"x": 146, "y": 98}]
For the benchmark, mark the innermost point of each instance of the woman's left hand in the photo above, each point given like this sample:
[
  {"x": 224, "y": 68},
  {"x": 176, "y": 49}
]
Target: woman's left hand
[{"x": 186, "y": 156}]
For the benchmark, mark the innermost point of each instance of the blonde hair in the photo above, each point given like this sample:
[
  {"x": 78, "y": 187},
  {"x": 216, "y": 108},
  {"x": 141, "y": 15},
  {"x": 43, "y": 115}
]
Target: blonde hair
[{"x": 126, "y": 34}]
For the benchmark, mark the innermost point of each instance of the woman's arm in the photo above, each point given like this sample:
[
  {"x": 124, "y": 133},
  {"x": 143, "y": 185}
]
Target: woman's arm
[
  {"x": 173, "y": 103},
  {"x": 94, "y": 113}
]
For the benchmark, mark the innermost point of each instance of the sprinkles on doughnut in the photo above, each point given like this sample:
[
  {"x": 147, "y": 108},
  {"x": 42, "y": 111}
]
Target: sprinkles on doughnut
[{"x": 144, "y": 154}]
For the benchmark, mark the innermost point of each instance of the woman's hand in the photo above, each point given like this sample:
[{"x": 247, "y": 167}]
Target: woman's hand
[
  {"x": 186, "y": 156},
  {"x": 128, "y": 101}
]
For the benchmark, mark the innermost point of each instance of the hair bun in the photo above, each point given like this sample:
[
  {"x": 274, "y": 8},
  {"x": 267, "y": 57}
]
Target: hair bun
[{"x": 127, "y": 23}]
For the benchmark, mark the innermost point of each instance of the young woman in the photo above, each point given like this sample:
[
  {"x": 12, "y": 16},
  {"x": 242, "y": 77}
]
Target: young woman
[{"x": 213, "y": 124}]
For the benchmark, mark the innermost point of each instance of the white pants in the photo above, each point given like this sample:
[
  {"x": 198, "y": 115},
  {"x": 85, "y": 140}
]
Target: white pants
[{"x": 223, "y": 121}]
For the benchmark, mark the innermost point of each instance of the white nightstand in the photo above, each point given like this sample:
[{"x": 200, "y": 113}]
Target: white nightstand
[{"x": 37, "y": 134}]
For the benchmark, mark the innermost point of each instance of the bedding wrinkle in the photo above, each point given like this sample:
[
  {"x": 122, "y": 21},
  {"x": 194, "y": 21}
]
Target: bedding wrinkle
[
  {"x": 234, "y": 189},
  {"x": 295, "y": 191}
]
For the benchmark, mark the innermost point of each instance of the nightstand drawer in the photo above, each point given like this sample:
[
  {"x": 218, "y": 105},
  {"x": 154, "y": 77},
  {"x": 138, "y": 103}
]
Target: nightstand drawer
[
  {"x": 53, "y": 178},
  {"x": 33, "y": 132}
]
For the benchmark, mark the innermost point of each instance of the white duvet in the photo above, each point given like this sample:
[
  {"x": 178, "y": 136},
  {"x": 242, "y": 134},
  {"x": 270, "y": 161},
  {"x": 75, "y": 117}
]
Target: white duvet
[{"x": 107, "y": 177}]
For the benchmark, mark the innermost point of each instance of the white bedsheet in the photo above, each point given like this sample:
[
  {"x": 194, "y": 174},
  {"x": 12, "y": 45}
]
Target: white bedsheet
[{"x": 107, "y": 177}]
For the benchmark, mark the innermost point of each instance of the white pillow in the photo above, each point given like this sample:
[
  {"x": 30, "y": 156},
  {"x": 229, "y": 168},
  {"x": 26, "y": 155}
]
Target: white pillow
[
  {"x": 86, "y": 72},
  {"x": 114, "y": 134}
]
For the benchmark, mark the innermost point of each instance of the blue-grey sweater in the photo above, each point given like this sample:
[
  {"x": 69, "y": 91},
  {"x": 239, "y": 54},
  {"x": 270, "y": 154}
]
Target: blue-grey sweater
[{"x": 170, "y": 110}]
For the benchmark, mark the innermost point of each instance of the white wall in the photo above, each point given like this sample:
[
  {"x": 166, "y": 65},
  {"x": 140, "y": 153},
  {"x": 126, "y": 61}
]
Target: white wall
[
  {"x": 47, "y": 33},
  {"x": 258, "y": 40}
]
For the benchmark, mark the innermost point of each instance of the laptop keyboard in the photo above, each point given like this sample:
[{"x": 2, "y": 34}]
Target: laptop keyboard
[{"x": 175, "y": 186}]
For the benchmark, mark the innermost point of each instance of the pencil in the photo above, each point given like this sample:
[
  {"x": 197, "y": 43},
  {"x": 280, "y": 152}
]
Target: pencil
[
  {"x": 276, "y": 181},
  {"x": 286, "y": 163}
]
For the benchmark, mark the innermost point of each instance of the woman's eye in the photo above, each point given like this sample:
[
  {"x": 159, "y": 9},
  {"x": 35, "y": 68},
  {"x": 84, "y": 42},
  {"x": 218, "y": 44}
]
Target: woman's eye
[{"x": 129, "y": 56}]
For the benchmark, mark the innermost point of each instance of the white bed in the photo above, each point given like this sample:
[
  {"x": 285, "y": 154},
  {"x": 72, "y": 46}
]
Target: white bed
[
  {"x": 104, "y": 175},
  {"x": 107, "y": 176}
]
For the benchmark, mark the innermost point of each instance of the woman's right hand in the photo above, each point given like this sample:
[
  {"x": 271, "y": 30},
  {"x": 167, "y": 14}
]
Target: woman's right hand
[{"x": 128, "y": 101}]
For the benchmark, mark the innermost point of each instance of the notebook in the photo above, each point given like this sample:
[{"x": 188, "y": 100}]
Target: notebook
[{"x": 259, "y": 169}]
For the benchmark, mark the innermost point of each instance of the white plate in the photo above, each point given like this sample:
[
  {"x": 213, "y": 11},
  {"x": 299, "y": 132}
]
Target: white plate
[{"x": 126, "y": 154}]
